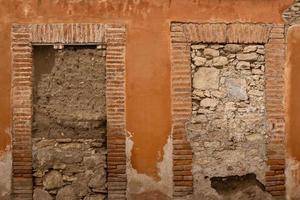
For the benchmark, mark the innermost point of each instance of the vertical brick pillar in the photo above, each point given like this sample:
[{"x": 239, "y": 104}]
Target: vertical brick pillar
[
  {"x": 275, "y": 62},
  {"x": 181, "y": 112},
  {"x": 115, "y": 95},
  {"x": 22, "y": 112}
]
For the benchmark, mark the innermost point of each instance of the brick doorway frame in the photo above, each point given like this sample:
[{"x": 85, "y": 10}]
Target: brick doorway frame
[
  {"x": 24, "y": 37},
  {"x": 183, "y": 35}
]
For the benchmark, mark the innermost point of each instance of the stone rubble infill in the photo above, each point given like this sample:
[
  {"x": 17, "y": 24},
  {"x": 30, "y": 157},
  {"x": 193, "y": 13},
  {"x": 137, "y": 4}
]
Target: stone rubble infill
[
  {"x": 69, "y": 127},
  {"x": 227, "y": 128},
  {"x": 76, "y": 168}
]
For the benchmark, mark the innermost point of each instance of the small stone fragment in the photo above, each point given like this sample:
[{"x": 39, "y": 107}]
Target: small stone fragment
[
  {"x": 233, "y": 48},
  {"x": 40, "y": 194},
  {"x": 243, "y": 65},
  {"x": 211, "y": 52},
  {"x": 249, "y": 49},
  {"x": 206, "y": 78},
  {"x": 247, "y": 57},
  {"x": 220, "y": 61},
  {"x": 53, "y": 180},
  {"x": 199, "y": 61},
  {"x": 208, "y": 102},
  {"x": 66, "y": 193}
]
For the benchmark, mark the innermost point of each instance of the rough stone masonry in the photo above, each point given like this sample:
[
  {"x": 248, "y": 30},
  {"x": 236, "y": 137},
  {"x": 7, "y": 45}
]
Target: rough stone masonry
[
  {"x": 69, "y": 124},
  {"x": 227, "y": 130}
]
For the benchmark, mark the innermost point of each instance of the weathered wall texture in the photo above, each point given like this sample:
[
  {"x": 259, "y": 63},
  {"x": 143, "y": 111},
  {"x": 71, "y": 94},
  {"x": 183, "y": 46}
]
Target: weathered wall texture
[
  {"x": 147, "y": 57},
  {"x": 227, "y": 130},
  {"x": 69, "y": 123},
  {"x": 293, "y": 107}
]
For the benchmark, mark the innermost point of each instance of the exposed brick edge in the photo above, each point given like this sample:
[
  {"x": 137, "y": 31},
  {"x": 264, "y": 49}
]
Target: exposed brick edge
[
  {"x": 275, "y": 68},
  {"x": 181, "y": 111},
  {"x": 221, "y": 33},
  {"x": 21, "y": 112},
  {"x": 23, "y": 36},
  {"x": 67, "y": 33},
  {"x": 182, "y": 36},
  {"x": 115, "y": 36}
]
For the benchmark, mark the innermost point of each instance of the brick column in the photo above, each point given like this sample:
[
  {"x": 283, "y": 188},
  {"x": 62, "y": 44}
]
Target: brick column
[
  {"x": 115, "y": 98},
  {"x": 181, "y": 111},
  {"x": 275, "y": 62},
  {"x": 22, "y": 112}
]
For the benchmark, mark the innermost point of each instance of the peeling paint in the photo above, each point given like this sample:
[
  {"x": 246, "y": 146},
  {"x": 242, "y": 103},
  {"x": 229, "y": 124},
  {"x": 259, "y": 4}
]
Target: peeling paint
[
  {"x": 292, "y": 179},
  {"x": 5, "y": 174},
  {"x": 141, "y": 183}
]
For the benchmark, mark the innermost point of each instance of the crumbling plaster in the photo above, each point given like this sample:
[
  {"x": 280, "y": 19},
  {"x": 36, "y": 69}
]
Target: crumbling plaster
[{"x": 148, "y": 86}]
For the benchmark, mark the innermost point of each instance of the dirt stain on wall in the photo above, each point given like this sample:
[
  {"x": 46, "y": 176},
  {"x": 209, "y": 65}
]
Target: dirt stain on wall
[{"x": 148, "y": 55}]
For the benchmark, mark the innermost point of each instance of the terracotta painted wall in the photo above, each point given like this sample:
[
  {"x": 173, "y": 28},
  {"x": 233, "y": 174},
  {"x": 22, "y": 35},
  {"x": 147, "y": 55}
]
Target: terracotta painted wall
[
  {"x": 293, "y": 111},
  {"x": 148, "y": 57}
]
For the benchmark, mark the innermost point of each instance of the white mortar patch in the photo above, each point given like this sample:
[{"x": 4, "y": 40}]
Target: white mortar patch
[
  {"x": 139, "y": 183},
  {"x": 292, "y": 173},
  {"x": 5, "y": 173}
]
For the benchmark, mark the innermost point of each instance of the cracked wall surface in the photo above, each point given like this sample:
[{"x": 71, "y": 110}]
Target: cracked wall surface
[
  {"x": 148, "y": 68},
  {"x": 228, "y": 128},
  {"x": 69, "y": 123}
]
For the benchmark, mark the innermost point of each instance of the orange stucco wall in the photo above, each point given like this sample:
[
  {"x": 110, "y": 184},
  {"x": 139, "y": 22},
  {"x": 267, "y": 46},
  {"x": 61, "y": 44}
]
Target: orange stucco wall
[
  {"x": 293, "y": 111},
  {"x": 148, "y": 54}
]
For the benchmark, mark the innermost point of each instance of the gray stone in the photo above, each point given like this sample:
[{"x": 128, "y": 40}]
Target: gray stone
[
  {"x": 256, "y": 93},
  {"x": 53, "y": 180},
  {"x": 247, "y": 57},
  {"x": 199, "y": 118},
  {"x": 261, "y": 51},
  {"x": 233, "y": 48},
  {"x": 81, "y": 186},
  {"x": 208, "y": 102},
  {"x": 206, "y": 78},
  {"x": 98, "y": 181},
  {"x": 257, "y": 71},
  {"x": 220, "y": 61},
  {"x": 211, "y": 52},
  {"x": 199, "y": 61},
  {"x": 40, "y": 194},
  {"x": 243, "y": 65},
  {"x": 66, "y": 193},
  {"x": 199, "y": 93},
  {"x": 236, "y": 88}
]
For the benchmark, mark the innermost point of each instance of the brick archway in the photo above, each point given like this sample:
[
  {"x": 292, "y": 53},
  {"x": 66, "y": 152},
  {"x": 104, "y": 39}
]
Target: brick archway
[
  {"x": 273, "y": 37},
  {"x": 24, "y": 37}
]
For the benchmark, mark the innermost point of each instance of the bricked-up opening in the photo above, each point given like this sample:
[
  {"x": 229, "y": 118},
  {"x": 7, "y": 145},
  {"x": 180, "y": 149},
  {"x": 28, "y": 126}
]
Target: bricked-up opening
[
  {"x": 69, "y": 123},
  {"x": 227, "y": 130},
  {"x": 272, "y": 37}
]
